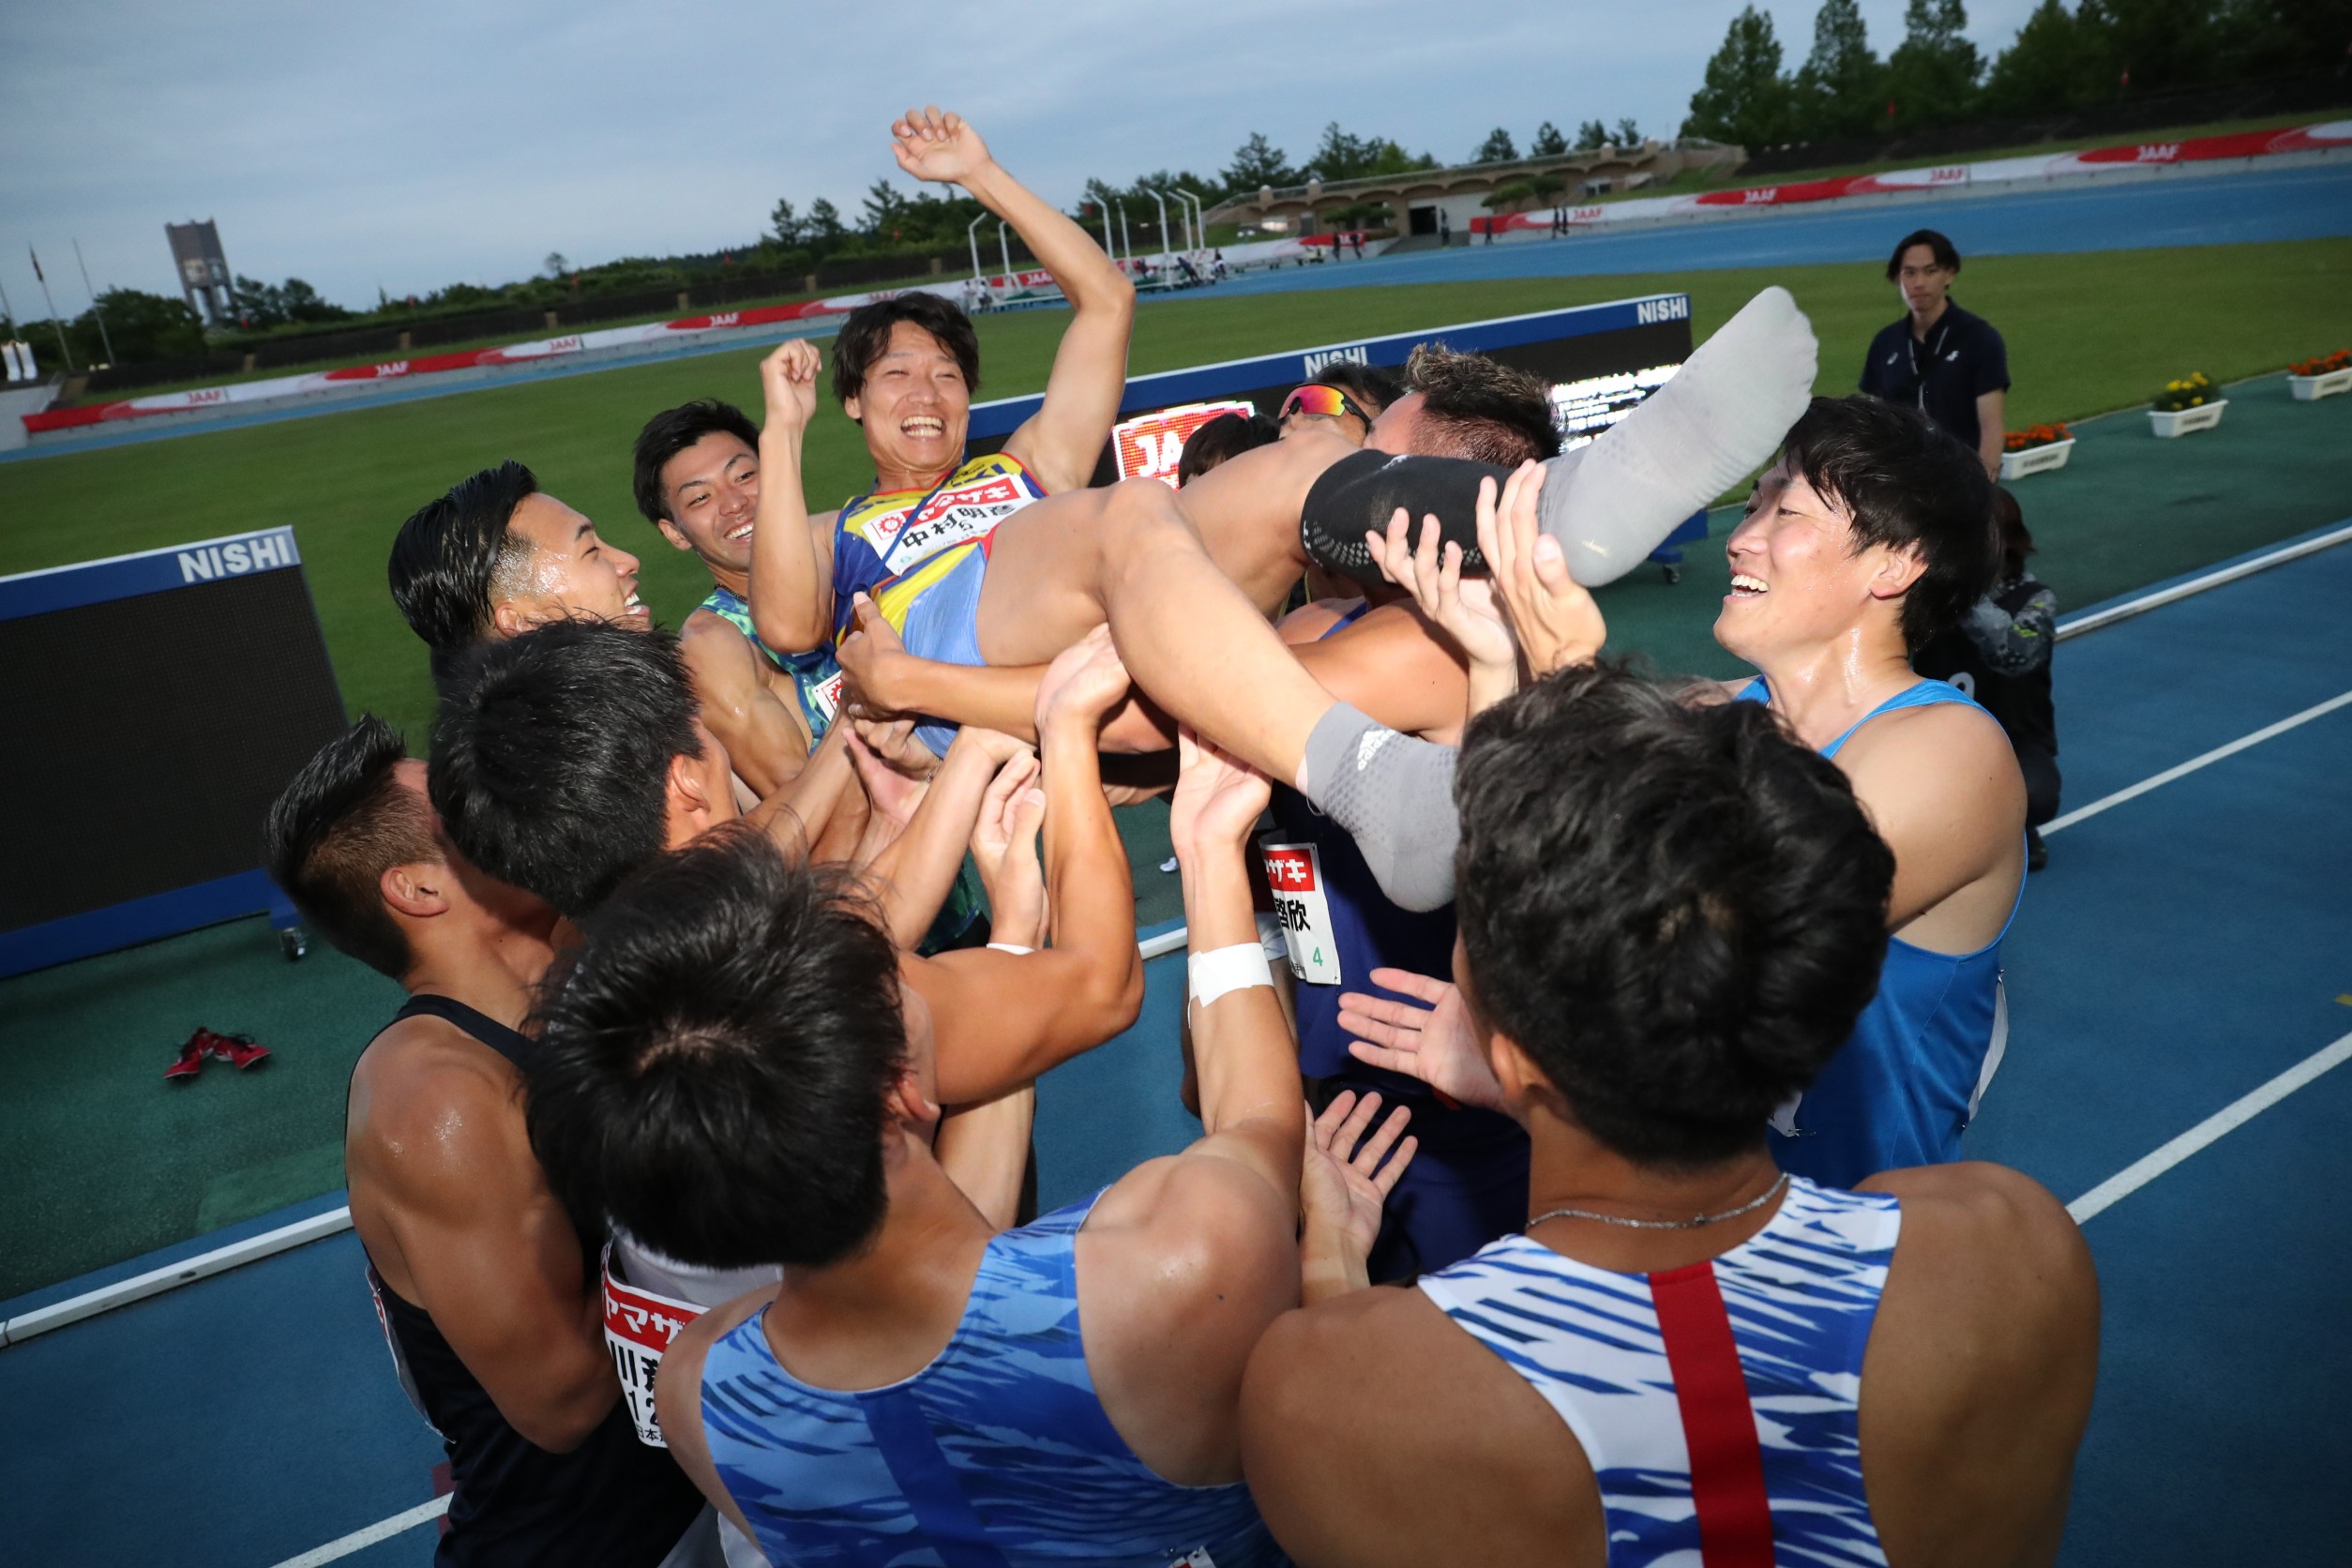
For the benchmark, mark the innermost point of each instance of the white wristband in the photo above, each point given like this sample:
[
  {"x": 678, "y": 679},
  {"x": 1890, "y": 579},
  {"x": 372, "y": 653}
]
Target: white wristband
[
  {"x": 1213, "y": 973},
  {"x": 1008, "y": 947}
]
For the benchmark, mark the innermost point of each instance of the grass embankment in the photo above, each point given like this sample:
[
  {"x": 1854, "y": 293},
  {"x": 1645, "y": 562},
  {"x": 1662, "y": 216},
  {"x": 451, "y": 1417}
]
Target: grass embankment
[{"x": 2086, "y": 333}]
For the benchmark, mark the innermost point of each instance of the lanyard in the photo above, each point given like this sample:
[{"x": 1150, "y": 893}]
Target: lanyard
[{"x": 1941, "y": 331}]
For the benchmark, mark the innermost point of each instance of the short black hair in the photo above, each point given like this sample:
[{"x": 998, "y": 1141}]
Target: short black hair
[
  {"x": 1947, "y": 255},
  {"x": 1676, "y": 911},
  {"x": 713, "y": 1068},
  {"x": 334, "y": 829},
  {"x": 866, "y": 337},
  {"x": 670, "y": 432},
  {"x": 1221, "y": 440},
  {"x": 1482, "y": 409},
  {"x": 551, "y": 755},
  {"x": 1372, "y": 386},
  {"x": 450, "y": 553},
  {"x": 2017, "y": 538},
  {"x": 1905, "y": 483}
]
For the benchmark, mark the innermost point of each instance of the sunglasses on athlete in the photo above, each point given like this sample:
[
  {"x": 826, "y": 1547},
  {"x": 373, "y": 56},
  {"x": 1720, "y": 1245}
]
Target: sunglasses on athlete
[{"x": 1328, "y": 402}]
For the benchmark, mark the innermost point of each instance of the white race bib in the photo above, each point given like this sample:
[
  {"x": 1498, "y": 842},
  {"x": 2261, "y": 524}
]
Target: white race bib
[
  {"x": 1295, "y": 873},
  {"x": 952, "y": 517},
  {"x": 638, "y": 1328}
]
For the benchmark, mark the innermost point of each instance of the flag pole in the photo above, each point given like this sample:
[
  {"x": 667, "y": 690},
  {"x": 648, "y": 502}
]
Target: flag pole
[
  {"x": 103, "y": 336},
  {"x": 58, "y": 326}
]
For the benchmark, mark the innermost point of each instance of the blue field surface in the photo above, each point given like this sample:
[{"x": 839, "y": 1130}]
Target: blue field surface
[{"x": 2183, "y": 947}]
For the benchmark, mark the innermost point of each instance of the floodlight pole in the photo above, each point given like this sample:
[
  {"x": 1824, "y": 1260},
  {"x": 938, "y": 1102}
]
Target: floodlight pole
[
  {"x": 1125, "y": 243},
  {"x": 55, "y": 325},
  {"x": 1201, "y": 229},
  {"x": 1005, "y": 248},
  {"x": 99, "y": 315},
  {"x": 1162, "y": 202},
  {"x": 1110, "y": 248},
  {"x": 971, "y": 235}
]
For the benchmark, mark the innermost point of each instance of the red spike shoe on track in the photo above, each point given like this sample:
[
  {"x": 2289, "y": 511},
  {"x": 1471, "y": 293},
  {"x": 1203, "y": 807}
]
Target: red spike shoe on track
[
  {"x": 238, "y": 1051},
  {"x": 190, "y": 1062}
]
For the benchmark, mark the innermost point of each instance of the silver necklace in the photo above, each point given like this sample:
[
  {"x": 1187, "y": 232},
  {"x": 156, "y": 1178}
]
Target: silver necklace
[{"x": 1694, "y": 1223}]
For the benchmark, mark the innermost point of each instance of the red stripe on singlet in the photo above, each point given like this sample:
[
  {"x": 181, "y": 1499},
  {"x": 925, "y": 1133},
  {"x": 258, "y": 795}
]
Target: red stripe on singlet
[{"x": 1735, "y": 1515}]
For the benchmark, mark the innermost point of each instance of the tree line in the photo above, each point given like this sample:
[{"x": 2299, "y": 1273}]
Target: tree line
[{"x": 2100, "y": 51}]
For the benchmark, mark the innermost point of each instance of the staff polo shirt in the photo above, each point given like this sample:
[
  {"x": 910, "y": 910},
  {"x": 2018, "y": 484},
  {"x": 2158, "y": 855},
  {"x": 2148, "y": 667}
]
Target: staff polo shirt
[{"x": 1961, "y": 359}]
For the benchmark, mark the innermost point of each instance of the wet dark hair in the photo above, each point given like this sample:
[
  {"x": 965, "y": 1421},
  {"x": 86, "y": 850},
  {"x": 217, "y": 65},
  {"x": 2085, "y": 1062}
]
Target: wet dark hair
[
  {"x": 551, "y": 756},
  {"x": 334, "y": 829},
  {"x": 449, "y": 553},
  {"x": 1479, "y": 409},
  {"x": 1945, "y": 255},
  {"x": 1676, "y": 911},
  {"x": 866, "y": 336},
  {"x": 715, "y": 1065},
  {"x": 1372, "y": 386},
  {"x": 670, "y": 432},
  {"x": 1905, "y": 484},
  {"x": 1222, "y": 438}
]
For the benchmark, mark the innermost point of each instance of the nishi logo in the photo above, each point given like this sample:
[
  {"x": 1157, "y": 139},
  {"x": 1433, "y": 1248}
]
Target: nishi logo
[
  {"x": 1674, "y": 308},
  {"x": 259, "y": 553},
  {"x": 1315, "y": 364}
]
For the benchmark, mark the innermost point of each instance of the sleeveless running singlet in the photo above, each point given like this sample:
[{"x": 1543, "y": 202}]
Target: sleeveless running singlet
[
  {"x": 1718, "y": 1403},
  {"x": 816, "y": 678},
  {"x": 612, "y": 1501},
  {"x": 1903, "y": 1087},
  {"x": 1468, "y": 1185},
  {"x": 921, "y": 558},
  {"x": 998, "y": 1455}
]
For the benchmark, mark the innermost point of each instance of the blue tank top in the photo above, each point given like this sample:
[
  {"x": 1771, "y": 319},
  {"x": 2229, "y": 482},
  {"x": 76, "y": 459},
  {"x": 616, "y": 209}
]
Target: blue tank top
[
  {"x": 1720, "y": 1400},
  {"x": 1903, "y": 1087},
  {"x": 1340, "y": 928},
  {"x": 998, "y": 1455}
]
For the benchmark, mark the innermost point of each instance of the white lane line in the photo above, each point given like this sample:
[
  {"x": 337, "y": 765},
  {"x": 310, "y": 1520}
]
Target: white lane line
[
  {"x": 2267, "y": 732},
  {"x": 2093, "y": 620},
  {"x": 25, "y": 1325},
  {"x": 360, "y": 1540},
  {"x": 2229, "y": 1119}
]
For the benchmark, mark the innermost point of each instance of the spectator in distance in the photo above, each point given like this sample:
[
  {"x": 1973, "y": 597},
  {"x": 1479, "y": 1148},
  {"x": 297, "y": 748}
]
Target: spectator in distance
[{"x": 1948, "y": 362}]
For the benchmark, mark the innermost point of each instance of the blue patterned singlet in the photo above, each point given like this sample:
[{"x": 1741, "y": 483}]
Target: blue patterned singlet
[
  {"x": 1904, "y": 1086},
  {"x": 1719, "y": 1404},
  {"x": 998, "y": 1455}
]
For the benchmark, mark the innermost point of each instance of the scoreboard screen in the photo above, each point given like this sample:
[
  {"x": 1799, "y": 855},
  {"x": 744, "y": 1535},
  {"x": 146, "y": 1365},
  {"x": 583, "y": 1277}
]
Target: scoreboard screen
[
  {"x": 153, "y": 705},
  {"x": 1601, "y": 359}
]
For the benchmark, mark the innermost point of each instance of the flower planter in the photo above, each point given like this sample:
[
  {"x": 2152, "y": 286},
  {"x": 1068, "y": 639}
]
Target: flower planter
[
  {"x": 2310, "y": 389},
  {"x": 2169, "y": 423},
  {"x": 2045, "y": 458}
]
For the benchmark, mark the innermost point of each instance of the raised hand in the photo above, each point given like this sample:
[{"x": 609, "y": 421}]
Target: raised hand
[
  {"x": 932, "y": 145},
  {"x": 1434, "y": 1043},
  {"x": 1083, "y": 683},
  {"x": 788, "y": 380},
  {"x": 1218, "y": 799},
  {"x": 1464, "y": 611},
  {"x": 1004, "y": 848},
  {"x": 1556, "y": 619},
  {"x": 1343, "y": 1181},
  {"x": 893, "y": 741},
  {"x": 892, "y": 795}
]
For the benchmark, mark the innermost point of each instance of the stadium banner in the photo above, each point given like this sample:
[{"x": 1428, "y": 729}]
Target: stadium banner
[
  {"x": 2005, "y": 170},
  {"x": 178, "y": 689}
]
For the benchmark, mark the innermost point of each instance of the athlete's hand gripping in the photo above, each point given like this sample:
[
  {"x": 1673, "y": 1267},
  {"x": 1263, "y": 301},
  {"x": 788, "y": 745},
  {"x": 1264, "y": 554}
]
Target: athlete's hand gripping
[
  {"x": 787, "y": 381},
  {"x": 1435, "y": 1042},
  {"x": 1082, "y": 684},
  {"x": 931, "y": 144},
  {"x": 1217, "y": 801},
  {"x": 1555, "y": 618},
  {"x": 1466, "y": 611},
  {"x": 1344, "y": 1182},
  {"x": 1004, "y": 848}
]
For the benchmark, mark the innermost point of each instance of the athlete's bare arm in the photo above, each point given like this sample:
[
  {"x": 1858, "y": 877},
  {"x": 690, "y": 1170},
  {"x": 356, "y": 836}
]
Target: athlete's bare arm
[
  {"x": 791, "y": 593},
  {"x": 1942, "y": 788},
  {"x": 1004, "y": 1019},
  {"x": 1185, "y": 1260},
  {"x": 765, "y": 737},
  {"x": 1061, "y": 441},
  {"x": 457, "y": 1219},
  {"x": 918, "y": 867}
]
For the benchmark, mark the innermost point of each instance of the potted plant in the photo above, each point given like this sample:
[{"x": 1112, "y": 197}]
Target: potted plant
[
  {"x": 2186, "y": 405},
  {"x": 2036, "y": 449},
  {"x": 2323, "y": 377}
]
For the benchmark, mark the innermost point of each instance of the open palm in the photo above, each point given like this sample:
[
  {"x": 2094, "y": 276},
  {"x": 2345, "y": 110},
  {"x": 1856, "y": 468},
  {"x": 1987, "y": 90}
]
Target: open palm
[{"x": 932, "y": 145}]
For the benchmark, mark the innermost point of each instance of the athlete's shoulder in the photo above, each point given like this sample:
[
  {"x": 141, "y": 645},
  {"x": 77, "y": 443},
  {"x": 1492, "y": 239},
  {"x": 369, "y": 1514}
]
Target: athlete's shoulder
[
  {"x": 433, "y": 1111},
  {"x": 1986, "y": 1218},
  {"x": 1952, "y": 738}
]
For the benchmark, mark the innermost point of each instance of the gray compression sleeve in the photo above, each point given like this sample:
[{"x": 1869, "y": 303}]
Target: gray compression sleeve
[{"x": 1395, "y": 795}]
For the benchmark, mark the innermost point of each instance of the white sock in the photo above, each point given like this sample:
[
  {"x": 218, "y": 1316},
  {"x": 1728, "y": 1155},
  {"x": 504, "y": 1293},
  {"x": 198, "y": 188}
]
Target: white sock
[{"x": 1613, "y": 502}]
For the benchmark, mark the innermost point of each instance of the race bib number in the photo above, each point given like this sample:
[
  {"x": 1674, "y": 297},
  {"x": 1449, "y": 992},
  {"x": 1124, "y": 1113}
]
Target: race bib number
[
  {"x": 638, "y": 1328},
  {"x": 955, "y": 517},
  {"x": 1295, "y": 873}
]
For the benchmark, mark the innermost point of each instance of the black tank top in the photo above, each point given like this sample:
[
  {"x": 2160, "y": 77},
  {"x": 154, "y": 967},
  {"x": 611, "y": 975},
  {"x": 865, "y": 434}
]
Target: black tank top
[{"x": 611, "y": 1502}]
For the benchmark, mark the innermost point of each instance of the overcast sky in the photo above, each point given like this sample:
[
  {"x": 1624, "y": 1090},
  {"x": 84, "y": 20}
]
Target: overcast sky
[{"x": 406, "y": 147}]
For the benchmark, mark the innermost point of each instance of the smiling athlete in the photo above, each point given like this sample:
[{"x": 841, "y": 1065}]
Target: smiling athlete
[{"x": 905, "y": 368}]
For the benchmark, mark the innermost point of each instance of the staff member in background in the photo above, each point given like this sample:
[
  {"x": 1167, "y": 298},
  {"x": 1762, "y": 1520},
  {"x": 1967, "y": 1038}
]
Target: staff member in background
[
  {"x": 1999, "y": 654},
  {"x": 1950, "y": 364}
]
